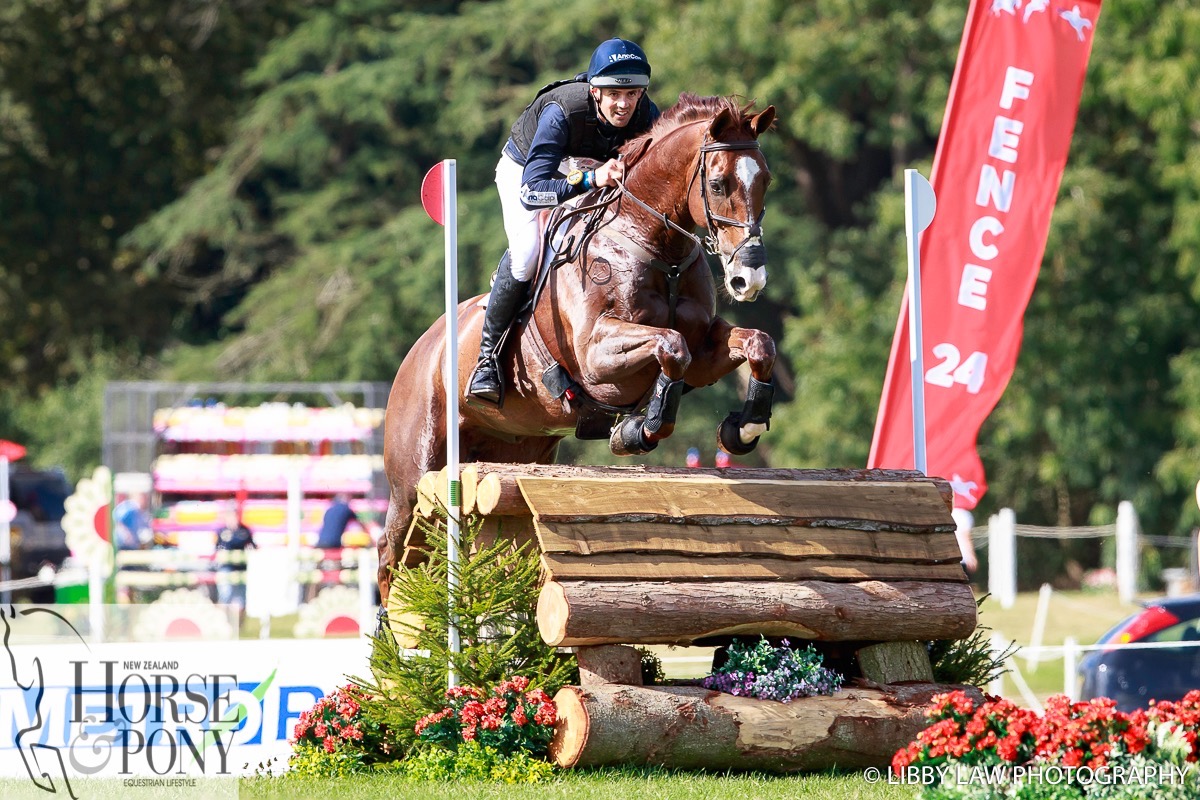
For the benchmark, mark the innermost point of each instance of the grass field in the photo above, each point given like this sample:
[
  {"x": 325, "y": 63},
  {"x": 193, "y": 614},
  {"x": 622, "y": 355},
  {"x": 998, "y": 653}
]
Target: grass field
[{"x": 590, "y": 785}]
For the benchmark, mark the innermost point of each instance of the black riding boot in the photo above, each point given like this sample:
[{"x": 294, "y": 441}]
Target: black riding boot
[{"x": 507, "y": 295}]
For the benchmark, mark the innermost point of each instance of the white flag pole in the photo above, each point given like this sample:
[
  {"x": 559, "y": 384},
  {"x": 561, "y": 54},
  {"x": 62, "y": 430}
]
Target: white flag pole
[
  {"x": 450, "y": 382},
  {"x": 919, "y": 207}
]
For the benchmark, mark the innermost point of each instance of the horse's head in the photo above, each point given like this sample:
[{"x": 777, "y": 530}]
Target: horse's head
[{"x": 728, "y": 192}]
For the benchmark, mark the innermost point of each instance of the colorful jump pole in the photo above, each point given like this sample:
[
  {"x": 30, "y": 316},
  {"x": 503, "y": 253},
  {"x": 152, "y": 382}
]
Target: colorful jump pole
[
  {"x": 919, "y": 206},
  {"x": 439, "y": 196}
]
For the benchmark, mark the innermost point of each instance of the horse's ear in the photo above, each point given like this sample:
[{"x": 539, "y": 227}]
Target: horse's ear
[
  {"x": 637, "y": 149},
  {"x": 720, "y": 122},
  {"x": 762, "y": 121}
]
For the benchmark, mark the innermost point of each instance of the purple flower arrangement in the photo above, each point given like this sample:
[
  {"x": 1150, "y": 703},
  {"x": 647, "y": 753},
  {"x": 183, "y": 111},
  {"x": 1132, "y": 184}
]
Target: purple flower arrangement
[{"x": 773, "y": 673}]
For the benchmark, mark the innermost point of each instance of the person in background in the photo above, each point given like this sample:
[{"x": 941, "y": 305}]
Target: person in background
[
  {"x": 132, "y": 522},
  {"x": 965, "y": 521},
  {"x": 233, "y": 536},
  {"x": 337, "y": 518}
]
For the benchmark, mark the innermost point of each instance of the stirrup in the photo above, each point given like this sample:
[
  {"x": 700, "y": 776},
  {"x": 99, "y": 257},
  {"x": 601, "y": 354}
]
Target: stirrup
[{"x": 472, "y": 393}]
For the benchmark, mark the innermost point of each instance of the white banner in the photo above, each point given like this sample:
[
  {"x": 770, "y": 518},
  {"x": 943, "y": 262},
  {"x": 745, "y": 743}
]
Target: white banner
[{"x": 72, "y": 711}]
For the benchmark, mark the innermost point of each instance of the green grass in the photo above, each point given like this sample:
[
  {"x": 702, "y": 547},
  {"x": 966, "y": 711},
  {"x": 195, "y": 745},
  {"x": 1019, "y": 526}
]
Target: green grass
[{"x": 626, "y": 784}]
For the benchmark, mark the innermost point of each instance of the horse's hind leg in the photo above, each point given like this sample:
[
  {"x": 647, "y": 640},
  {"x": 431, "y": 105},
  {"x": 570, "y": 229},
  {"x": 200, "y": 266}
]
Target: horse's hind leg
[{"x": 724, "y": 349}]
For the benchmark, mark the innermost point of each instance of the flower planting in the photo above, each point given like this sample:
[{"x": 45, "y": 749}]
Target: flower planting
[
  {"x": 773, "y": 673},
  {"x": 514, "y": 719},
  {"x": 336, "y": 737},
  {"x": 1073, "y": 750}
]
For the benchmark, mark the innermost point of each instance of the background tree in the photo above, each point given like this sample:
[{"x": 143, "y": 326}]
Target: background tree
[{"x": 300, "y": 250}]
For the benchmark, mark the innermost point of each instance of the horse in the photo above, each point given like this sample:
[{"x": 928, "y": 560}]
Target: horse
[{"x": 622, "y": 321}]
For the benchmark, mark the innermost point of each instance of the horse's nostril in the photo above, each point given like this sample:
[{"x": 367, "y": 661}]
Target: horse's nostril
[{"x": 738, "y": 285}]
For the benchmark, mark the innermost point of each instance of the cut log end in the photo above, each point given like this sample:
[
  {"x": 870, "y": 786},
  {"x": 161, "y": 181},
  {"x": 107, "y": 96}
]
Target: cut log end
[
  {"x": 469, "y": 477},
  {"x": 426, "y": 494},
  {"x": 571, "y": 731},
  {"x": 552, "y": 613},
  {"x": 487, "y": 493}
]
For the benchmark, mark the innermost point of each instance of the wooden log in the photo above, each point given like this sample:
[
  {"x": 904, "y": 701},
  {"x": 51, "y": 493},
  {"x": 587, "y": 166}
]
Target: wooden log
[
  {"x": 497, "y": 496},
  {"x": 441, "y": 490},
  {"x": 502, "y": 495},
  {"x": 674, "y": 567},
  {"x": 736, "y": 539},
  {"x": 610, "y": 663},
  {"x": 574, "y": 613},
  {"x": 426, "y": 494},
  {"x": 912, "y": 506},
  {"x": 694, "y": 728},
  {"x": 895, "y": 662},
  {"x": 517, "y": 530},
  {"x": 469, "y": 476}
]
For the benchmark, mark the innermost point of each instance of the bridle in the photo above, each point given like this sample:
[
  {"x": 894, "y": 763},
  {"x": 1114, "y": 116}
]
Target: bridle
[
  {"x": 673, "y": 272},
  {"x": 753, "y": 227}
]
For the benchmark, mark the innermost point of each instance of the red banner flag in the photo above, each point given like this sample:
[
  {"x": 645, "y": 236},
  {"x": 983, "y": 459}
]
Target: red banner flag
[{"x": 996, "y": 172}]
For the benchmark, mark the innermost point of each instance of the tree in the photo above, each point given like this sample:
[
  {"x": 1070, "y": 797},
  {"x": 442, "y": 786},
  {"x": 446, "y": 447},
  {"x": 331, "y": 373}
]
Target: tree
[{"x": 106, "y": 110}]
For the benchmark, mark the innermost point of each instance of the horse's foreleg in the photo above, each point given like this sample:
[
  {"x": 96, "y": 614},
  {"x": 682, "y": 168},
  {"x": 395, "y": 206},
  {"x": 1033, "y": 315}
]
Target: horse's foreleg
[
  {"x": 618, "y": 349},
  {"x": 724, "y": 349}
]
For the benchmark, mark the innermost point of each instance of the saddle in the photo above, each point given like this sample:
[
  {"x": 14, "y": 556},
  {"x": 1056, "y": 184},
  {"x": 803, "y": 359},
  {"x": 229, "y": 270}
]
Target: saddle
[{"x": 595, "y": 420}]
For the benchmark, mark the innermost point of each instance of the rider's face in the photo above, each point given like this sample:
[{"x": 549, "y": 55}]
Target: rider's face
[{"x": 617, "y": 105}]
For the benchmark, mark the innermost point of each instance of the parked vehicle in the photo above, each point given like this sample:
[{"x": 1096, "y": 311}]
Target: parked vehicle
[
  {"x": 1135, "y": 676},
  {"x": 36, "y": 532}
]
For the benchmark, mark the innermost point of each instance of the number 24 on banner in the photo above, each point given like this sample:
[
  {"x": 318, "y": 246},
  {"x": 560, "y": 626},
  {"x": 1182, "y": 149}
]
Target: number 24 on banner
[{"x": 950, "y": 371}]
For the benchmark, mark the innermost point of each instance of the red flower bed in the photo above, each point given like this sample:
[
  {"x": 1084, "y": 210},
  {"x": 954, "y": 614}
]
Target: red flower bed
[
  {"x": 1085, "y": 735},
  {"x": 513, "y": 718}
]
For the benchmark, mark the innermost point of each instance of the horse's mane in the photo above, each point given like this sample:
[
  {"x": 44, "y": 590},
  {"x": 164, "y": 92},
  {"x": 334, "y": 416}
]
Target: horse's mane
[{"x": 691, "y": 107}]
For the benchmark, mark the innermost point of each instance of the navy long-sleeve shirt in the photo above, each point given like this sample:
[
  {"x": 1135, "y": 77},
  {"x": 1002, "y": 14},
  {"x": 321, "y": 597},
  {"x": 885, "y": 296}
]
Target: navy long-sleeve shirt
[{"x": 541, "y": 185}]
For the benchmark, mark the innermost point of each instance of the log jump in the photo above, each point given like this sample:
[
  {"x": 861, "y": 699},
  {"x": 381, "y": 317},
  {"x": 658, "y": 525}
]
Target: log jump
[{"x": 644, "y": 555}]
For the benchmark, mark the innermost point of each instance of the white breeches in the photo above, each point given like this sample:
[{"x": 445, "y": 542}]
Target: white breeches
[{"x": 520, "y": 224}]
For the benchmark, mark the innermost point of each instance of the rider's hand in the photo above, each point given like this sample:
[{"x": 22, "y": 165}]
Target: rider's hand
[{"x": 608, "y": 173}]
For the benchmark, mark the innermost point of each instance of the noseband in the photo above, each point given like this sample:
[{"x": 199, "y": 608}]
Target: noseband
[{"x": 753, "y": 227}]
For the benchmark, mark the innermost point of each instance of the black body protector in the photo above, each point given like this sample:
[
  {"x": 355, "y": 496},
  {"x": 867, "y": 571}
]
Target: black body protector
[{"x": 590, "y": 138}]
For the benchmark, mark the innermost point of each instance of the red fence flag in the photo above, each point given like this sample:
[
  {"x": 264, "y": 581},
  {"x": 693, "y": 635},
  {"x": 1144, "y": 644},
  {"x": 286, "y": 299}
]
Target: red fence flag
[{"x": 999, "y": 162}]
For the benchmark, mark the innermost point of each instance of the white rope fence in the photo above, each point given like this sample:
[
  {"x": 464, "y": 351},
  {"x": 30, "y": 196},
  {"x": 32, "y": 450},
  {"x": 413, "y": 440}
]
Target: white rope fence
[{"x": 999, "y": 538}]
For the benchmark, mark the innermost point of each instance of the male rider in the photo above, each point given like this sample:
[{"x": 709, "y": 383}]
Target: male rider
[{"x": 588, "y": 117}]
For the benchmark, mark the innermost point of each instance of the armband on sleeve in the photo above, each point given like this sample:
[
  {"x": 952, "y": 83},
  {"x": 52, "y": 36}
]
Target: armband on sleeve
[{"x": 533, "y": 199}]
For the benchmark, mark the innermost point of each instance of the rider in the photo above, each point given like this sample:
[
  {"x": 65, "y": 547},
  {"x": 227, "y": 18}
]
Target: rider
[{"x": 590, "y": 117}]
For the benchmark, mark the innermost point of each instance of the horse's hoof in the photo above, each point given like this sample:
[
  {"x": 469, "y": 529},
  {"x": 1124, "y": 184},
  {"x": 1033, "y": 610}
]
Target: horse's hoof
[
  {"x": 628, "y": 439},
  {"x": 729, "y": 436}
]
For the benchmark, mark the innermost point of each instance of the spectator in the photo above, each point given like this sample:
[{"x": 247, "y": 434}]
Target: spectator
[
  {"x": 965, "y": 521},
  {"x": 233, "y": 535},
  {"x": 132, "y": 522},
  {"x": 337, "y": 518}
]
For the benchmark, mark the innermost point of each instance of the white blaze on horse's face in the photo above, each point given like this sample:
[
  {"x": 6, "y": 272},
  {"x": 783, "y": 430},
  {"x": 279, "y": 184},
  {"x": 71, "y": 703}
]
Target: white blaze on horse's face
[{"x": 745, "y": 280}]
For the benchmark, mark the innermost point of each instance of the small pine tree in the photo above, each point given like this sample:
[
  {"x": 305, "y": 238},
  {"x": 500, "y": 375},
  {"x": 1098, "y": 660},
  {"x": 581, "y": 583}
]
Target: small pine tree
[
  {"x": 495, "y": 610},
  {"x": 969, "y": 661}
]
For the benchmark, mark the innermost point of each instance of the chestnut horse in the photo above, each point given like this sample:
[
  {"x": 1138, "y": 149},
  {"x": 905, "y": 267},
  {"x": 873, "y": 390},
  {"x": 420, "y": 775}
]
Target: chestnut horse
[{"x": 621, "y": 322}]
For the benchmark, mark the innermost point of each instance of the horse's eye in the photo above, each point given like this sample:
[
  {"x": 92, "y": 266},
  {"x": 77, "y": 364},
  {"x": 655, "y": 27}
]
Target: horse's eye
[{"x": 716, "y": 186}]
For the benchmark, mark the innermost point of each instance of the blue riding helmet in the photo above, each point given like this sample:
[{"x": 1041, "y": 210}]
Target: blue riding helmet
[{"x": 619, "y": 63}]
